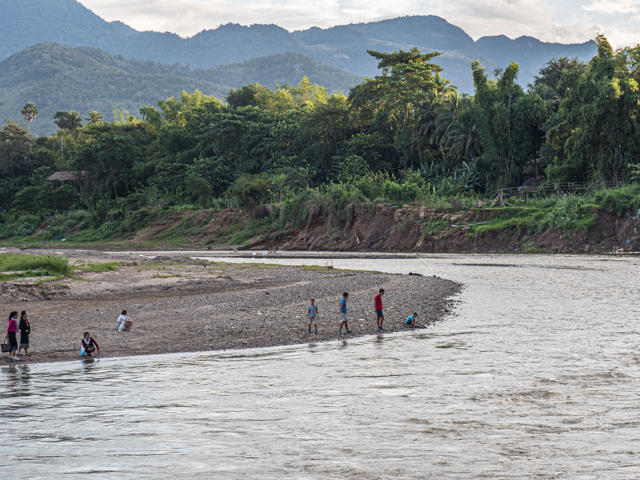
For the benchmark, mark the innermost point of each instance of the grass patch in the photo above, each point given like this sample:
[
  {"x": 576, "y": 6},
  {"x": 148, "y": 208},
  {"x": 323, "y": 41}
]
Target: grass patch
[
  {"x": 47, "y": 280},
  {"x": 190, "y": 226},
  {"x": 324, "y": 268},
  {"x": 434, "y": 228},
  {"x": 18, "y": 265},
  {"x": 252, "y": 229},
  {"x": 566, "y": 215},
  {"x": 100, "y": 267},
  {"x": 244, "y": 266}
]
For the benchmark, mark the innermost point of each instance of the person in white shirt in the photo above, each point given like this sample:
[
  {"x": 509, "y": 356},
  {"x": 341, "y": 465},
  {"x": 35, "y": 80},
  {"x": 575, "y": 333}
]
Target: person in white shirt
[{"x": 124, "y": 323}]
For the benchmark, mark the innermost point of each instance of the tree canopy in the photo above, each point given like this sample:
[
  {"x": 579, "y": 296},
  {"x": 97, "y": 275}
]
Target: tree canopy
[{"x": 402, "y": 133}]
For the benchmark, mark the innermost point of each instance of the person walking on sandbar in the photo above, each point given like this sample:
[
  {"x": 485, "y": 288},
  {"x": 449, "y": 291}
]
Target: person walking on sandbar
[
  {"x": 377, "y": 303},
  {"x": 343, "y": 313}
]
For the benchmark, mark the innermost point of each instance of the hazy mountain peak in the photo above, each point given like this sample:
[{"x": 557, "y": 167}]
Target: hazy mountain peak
[{"x": 26, "y": 22}]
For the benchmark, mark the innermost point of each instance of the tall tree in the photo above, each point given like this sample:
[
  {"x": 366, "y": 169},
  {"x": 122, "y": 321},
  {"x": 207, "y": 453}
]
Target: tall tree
[
  {"x": 29, "y": 112},
  {"x": 390, "y": 102},
  {"x": 16, "y": 151},
  {"x": 596, "y": 127}
]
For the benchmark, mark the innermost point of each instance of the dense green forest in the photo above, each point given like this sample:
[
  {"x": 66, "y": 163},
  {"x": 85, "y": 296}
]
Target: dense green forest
[
  {"x": 57, "y": 77},
  {"x": 405, "y": 135}
]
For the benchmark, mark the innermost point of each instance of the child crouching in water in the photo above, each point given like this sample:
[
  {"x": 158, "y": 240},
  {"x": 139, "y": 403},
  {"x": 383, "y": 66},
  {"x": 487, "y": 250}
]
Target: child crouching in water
[
  {"x": 411, "y": 319},
  {"x": 88, "y": 345}
]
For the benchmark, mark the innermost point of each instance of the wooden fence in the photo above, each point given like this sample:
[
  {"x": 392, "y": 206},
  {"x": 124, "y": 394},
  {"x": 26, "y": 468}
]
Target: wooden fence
[{"x": 502, "y": 194}]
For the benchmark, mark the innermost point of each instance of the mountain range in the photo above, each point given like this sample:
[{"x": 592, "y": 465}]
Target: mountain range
[{"x": 25, "y": 23}]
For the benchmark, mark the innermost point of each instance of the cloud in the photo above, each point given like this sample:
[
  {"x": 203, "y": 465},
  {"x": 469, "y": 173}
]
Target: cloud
[
  {"x": 188, "y": 17},
  {"x": 618, "y": 18},
  {"x": 568, "y": 21},
  {"x": 613, "y": 7}
]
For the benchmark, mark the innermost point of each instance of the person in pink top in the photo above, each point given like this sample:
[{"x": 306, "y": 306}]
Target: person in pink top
[
  {"x": 377, "y": 304},
  {"x": 12, "y": 331}
]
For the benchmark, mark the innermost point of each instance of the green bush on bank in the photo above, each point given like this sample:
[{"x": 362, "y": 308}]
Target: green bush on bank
[
  {"x": 18, "y": 266},
  {"x": 624, "y": 201},
  {"x": 565, "y": 214}
]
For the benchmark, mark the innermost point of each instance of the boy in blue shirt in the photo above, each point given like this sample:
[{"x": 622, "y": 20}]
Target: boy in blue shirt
[
  {"x": 411, "y": 320},
  {"x": 343, "y": 313}
]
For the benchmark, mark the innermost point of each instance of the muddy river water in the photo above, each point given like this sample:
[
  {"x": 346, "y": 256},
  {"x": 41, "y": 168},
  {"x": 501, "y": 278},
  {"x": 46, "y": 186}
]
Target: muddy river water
[{"x": 534, "y": 376}]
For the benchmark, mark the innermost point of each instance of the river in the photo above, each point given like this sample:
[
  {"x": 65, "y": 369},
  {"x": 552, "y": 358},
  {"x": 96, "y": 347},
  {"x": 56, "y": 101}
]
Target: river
[{"x": 534, "y": 376}]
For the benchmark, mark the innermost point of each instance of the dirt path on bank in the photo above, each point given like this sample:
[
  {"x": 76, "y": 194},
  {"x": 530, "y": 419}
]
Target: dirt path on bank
[{"x": 180, "y": 305}]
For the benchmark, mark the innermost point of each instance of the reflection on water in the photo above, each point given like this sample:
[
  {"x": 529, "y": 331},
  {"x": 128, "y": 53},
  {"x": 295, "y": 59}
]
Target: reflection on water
[{"x": 534, "y": 377}]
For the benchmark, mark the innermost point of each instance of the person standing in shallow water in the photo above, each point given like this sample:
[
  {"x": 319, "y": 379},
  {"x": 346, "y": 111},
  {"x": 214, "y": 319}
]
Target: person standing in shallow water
[
  {"x": 25, "y": 330},
  {"x": 12, "y": 331},
  {"x": 377, "y": 303}
]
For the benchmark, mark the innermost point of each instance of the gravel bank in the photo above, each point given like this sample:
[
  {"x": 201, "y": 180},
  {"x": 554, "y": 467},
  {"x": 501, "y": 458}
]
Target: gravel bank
[{"x": 183, "y": 306}]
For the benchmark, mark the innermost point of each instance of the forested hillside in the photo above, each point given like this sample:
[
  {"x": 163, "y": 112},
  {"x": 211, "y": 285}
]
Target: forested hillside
[
  {"x": 23, "y": 24},
  {"x": 404, "y": 136},
  {"x": 56, "y": 77}
]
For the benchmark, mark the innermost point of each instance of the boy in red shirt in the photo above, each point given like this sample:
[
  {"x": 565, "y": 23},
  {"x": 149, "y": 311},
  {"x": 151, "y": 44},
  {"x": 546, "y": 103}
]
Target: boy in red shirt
[{"x": 377, "y": 303}]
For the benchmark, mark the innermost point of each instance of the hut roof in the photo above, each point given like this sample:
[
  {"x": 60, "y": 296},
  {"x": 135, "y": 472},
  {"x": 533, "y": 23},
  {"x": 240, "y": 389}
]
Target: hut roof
[{"x": 65, "y": 176}]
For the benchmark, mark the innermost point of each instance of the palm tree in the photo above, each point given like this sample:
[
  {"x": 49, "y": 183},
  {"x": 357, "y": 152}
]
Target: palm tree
[
  {"x": 75, "y": 121},
  {"x": 68, "y": 120},
  {"x": 29, "y": 112},
  {"x": 61, "y": 119},
  {"x": 443, "y": 99},
  {"x": 95, "y": 118},
  {"x": 466, "y": 140},
  {"x": 448, "y": 111},
  {"x": 442, "y": 85}
]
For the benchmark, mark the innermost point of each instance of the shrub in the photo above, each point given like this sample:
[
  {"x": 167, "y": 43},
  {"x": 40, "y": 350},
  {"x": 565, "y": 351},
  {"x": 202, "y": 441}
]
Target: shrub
[
  {"x": 304, "y": 207},
  {"x": 338, "y": 197},
  {"x": 199, "y": 190},
  {"x": 406, "y": 192},
  {"x": 25, "y": 201},
  {"x": 249, "y": 190},
  {"x": 25, "y": 229},
  {"x": 623, "y": 201}
]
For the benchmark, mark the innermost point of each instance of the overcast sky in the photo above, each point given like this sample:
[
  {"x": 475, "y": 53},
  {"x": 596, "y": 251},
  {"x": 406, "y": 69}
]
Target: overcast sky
[{"x": 566, "y": 21}]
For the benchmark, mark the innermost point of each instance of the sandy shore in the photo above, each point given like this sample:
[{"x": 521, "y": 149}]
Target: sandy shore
[{"x": 179, "y": 305}]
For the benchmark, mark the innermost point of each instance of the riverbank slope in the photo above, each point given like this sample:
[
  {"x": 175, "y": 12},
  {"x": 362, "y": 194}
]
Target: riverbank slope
[{"x": 363, "y": 228}]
